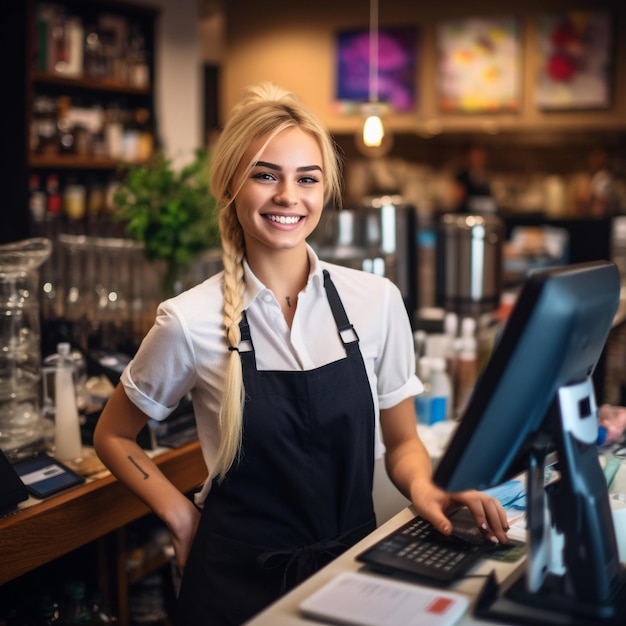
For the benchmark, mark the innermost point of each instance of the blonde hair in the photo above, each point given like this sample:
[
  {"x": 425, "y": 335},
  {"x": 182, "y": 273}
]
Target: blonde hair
[{"x": 264, "y": 111}]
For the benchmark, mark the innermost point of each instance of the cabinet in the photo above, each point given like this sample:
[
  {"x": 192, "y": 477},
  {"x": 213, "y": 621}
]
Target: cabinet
[
  {"x": 94, "y": 513},
  {"x": 78, "y": 101}
]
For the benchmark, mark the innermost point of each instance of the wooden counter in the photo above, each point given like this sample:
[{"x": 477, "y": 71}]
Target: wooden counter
[{"x": 40, "y": 533}]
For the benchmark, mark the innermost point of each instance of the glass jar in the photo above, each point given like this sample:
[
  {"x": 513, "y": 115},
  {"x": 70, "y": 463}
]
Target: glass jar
[{"x": 21, "y": 424}]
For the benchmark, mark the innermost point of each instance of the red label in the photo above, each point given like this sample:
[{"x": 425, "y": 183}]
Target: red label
[{"x": 439, "y": 605}]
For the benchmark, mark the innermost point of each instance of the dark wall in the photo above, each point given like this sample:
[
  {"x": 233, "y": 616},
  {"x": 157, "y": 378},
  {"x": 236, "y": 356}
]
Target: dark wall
[{"x": 14, "y": 216}]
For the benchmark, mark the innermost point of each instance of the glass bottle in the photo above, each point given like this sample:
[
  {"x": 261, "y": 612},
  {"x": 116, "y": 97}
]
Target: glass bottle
[
  {"x": 36, "y": 198},
  {"x": 64, "y": 126},
  {"x": 76, "y": 610},
  {"x": 99, "y": 612},
  {"x": 440, "y": 391},
  {"x": 54, "y": 201},
  {"x": 466, "y": 373},
  {"x": 48, "y": 611},
  {"x": 67, "y": 436}
]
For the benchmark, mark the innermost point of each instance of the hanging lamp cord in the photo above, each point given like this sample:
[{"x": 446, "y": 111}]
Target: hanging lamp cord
[{"x": 373, "y": 86}]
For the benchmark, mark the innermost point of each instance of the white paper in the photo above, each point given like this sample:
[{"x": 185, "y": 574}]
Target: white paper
[{"x": 366, "y": 600}]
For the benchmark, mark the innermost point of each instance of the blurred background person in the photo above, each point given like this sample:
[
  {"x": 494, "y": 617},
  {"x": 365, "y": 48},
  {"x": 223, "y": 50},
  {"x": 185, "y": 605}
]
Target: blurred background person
[
  {"x": 471, "y": 190},
  {"x": 595, "y": 196}
]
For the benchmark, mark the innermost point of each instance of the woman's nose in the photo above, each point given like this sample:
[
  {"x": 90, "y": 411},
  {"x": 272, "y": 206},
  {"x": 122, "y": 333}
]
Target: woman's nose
[{"x": 286, "y": 195}]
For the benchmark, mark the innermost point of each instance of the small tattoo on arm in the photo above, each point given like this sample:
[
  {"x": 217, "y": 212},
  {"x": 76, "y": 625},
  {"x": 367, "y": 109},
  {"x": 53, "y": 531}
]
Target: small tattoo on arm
[{"x": 145, "y": 474}]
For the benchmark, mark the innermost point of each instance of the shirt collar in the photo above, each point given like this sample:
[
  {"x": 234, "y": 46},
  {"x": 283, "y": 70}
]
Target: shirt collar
[{"x": 254, "y": 287}]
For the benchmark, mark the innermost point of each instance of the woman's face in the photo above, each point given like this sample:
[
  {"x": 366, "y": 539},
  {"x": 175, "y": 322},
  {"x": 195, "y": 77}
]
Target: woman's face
[{"x": 281, "y": 200}]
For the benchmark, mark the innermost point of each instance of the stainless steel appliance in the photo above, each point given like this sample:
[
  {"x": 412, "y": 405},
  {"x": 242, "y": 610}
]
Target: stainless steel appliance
[
  {"x": 469, "y": 263},
  {"x": 378, "y": 236}
]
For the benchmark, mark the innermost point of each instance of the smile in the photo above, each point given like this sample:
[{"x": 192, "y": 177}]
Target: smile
[{"x": 284, "y": 219}]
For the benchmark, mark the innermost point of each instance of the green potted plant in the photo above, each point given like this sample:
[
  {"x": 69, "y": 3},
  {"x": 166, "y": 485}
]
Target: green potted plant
[{"x": 170, "y": 211}]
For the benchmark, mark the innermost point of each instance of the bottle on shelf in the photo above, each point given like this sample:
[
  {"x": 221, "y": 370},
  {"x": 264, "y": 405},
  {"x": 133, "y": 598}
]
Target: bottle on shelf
[
  {"x": 74, "y": 200},
  {"x": 451, "y": 331},
  {"x": 36, "y": 198},
  {"x": 113, "y": 132},
  {"x": 54, "y": 201},
  {"x": 422, "y": 401},
  {"x": 74, "y": 33},
  {"x": 48, "y": 612},
  {"x": 467, "y": 364},
  {"x": 43, "y": 135},
  {"x": 95, "y": 197},
  {"x": 137, "y": 59},
  {"x": 65, "y": 126},
  {"x": 146, "y": 138},
  {"x": 440, "y": 391},
  {"x": 99, "y": 612},
  {"x": 75, "y": 609},
  {"x": 93, "y": 66}
]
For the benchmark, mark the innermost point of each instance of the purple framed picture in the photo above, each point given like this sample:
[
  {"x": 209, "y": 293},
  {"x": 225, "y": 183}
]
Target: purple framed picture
[
  {"x": 574, "y": 60},
  {"x": 479, "y": 67},
  {"x": 397, "y": 62}
]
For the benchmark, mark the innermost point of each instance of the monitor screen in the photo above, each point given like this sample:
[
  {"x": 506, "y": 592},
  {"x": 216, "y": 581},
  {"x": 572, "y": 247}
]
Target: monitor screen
[
  {"x": 554, "y": 337},
  {"x": 536, "y": 396}
]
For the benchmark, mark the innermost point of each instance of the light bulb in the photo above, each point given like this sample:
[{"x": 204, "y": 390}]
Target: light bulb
[{"x": 373, "y": 132}]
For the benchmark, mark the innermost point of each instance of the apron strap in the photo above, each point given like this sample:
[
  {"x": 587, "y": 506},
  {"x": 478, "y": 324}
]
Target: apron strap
[{"x": 347, "y": 332}]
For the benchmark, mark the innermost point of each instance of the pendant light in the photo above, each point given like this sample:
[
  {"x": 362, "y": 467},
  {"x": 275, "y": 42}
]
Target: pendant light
[{"x": 373, "y": 140}]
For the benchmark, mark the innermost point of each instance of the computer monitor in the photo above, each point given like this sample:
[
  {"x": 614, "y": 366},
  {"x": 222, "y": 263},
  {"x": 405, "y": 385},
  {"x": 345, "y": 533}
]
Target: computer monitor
[{"x": 534, "y": 400}]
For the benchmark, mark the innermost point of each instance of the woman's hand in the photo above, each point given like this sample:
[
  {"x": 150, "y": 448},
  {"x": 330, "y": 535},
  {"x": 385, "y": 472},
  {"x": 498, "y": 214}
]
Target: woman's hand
[
  {"x": 409, "y": 467},
  {"x": 431, "y": 503},
  {"x": 613, "y": 419},
  {"x": 183, "y": 531}
]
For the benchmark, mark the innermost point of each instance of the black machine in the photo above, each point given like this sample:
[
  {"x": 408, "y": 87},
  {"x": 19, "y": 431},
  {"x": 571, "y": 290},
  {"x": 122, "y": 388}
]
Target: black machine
[
  {"x": 536, "y": 399},
  {"x": 12, "y": 489}
]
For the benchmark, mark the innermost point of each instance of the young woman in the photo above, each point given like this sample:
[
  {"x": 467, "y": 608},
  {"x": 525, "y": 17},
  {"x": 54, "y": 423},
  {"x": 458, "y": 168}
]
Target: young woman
[{"x": 299, "y": 370}]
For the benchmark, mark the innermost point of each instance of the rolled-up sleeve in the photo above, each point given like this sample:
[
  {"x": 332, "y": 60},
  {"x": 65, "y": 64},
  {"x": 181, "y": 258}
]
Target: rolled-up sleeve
[
  {"x": 163, "y": 370},
  {"x": 396, "y": 363}
]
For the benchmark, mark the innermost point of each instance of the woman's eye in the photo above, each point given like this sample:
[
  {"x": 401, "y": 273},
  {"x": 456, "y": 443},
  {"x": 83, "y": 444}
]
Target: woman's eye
[
  {"x": 309, "y": 180},
  {"x": 263, "y": 176}
]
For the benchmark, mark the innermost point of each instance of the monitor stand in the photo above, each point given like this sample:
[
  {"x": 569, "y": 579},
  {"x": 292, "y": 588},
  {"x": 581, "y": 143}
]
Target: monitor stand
[{"x": 573, "y": 575}]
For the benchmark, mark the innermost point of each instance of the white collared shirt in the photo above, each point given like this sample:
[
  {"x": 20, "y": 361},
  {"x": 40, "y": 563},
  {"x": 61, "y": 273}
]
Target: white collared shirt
[{"x": 186, "y": 349}]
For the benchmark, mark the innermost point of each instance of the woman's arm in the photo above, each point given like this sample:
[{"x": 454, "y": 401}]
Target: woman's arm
[
  {"x": 115, "y": 443},
  {"x": 410, "y": 469}
]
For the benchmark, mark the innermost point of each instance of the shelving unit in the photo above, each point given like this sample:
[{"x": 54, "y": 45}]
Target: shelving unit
[
  {"x": 67, "y": 136},
  {"x": 79, "y": 95},
  {"x": 94, "y": 515},
  {"x": 95, "y": 512}
]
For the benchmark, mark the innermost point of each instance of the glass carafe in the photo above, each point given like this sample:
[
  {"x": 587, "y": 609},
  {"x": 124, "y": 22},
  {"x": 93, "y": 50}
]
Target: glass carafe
[{"x": 22, "y": 430}]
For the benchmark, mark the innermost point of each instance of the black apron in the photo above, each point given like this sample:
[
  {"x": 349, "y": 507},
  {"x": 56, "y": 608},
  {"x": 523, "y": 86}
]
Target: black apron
[{"x": 301, "y": 493}]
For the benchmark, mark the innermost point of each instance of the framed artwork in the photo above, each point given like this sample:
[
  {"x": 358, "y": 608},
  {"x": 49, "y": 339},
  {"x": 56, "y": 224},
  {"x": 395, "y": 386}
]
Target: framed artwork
[
  {"x": 574, "y": 60},
  {"x": 397, "y": 62},
  {"x": 479, "y": 67}
]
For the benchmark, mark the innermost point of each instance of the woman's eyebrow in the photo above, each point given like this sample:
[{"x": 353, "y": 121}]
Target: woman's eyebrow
[{"x": 273, "y": 166}]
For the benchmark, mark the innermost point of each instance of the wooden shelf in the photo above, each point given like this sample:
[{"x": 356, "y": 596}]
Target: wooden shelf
[
  {"x": 90, "y": 84},
  {"x": 43, "y": 532},
  {"x": 38, "y": 161}
]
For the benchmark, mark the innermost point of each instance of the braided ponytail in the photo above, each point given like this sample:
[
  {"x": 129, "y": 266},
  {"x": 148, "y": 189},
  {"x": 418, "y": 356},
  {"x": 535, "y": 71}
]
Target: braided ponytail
[{"x": 231, "y": 409}]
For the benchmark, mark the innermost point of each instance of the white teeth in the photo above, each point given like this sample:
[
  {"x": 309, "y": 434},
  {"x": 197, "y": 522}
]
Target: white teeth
[{"x": 283, "y": 219}]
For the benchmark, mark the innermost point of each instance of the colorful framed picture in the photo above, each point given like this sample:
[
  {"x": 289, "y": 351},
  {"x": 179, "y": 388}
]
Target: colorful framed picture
[
  {"x": 396, "y": 76},
  {"x": 574, "y": 60},
  {"x": 479, "y": 66}
]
